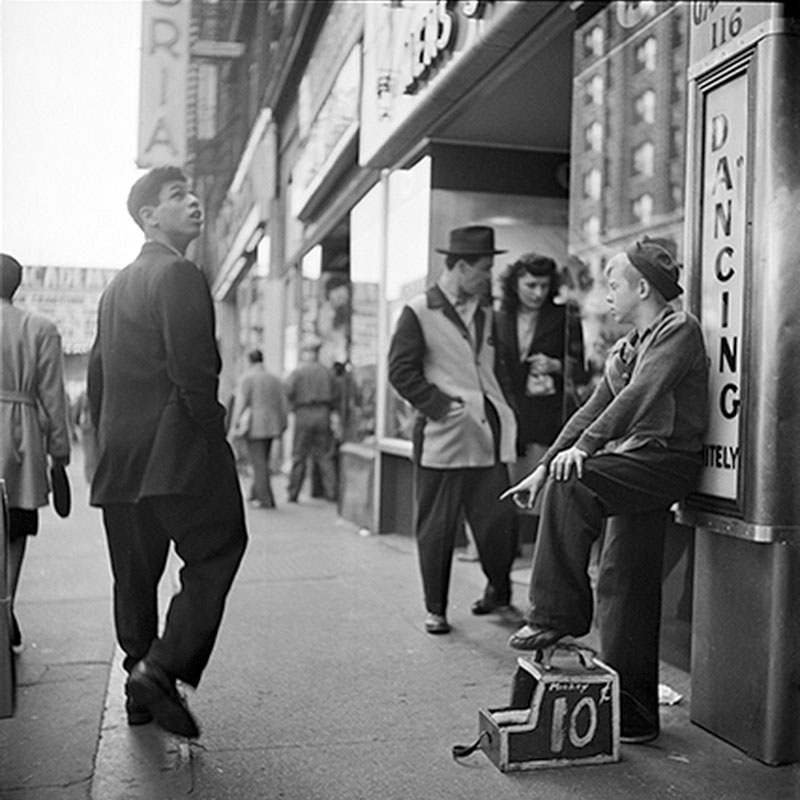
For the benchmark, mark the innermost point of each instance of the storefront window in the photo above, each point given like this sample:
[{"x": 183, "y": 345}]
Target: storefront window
[
  {"x": 366, "y": 247},
  {"x": 407, "y": 265}
]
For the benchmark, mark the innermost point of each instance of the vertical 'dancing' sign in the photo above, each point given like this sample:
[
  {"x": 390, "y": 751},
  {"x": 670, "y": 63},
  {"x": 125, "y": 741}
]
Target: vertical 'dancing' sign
[
  {"x": 723, "y": 236},
  {"x": 163, "y": 92}
]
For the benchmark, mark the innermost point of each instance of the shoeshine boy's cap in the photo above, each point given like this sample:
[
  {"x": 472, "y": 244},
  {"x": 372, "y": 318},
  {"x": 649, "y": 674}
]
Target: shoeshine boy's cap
[
  {"x": 657, "y": 265},
  {"x": 473, "y": 240}
]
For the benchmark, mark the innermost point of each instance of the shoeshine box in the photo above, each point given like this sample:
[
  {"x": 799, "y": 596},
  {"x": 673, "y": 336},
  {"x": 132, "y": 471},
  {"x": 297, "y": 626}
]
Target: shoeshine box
[{"x": 562, "y": 714}]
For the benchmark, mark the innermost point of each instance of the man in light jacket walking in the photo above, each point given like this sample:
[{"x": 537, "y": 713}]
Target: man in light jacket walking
[{"x": 259, "y": 416}]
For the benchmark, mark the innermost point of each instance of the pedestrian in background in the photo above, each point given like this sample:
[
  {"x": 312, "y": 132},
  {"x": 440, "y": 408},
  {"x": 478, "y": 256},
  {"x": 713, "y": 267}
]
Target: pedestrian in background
[
  {"x": 311, "y": 392},
  {"x": 259, "y": 417},
  {"x": 630, "y": 452},
  {"x": 165, "y": 471},
  {"x": 87, "y": 436},
  {"x": 541, "y": 344},
  {"x": 34, "y": 419},
  {"x": 442, "y": 360}
]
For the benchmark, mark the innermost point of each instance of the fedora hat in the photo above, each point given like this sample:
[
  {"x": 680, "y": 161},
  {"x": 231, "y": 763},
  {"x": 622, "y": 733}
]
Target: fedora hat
[
  {"x": 473, "y": 240},
  {"x": 655, "y": 262}
]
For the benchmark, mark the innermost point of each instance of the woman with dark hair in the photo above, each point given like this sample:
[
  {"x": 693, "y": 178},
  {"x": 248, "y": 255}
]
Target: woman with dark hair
[{"x": 541, "y": 343}]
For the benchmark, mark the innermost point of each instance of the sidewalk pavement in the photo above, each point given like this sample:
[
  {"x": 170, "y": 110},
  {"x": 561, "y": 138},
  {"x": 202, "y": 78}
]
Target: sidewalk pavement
[{"x": 323, "y": 684}]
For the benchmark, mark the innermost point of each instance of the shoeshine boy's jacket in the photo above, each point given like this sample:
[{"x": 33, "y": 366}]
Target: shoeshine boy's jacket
[
  {"x": 654, "y": 392},
  {"x": 432, "y": 362},
  {"x": 153, "y": 378}
]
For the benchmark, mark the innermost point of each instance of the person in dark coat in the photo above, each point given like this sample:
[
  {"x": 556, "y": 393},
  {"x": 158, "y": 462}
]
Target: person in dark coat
[
  {"x": 541, "y": 345},
  {"x": 165, "y": 471}
]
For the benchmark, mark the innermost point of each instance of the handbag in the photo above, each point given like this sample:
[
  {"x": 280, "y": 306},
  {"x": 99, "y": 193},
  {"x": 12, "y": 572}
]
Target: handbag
[{"x": 62, "y": 496}]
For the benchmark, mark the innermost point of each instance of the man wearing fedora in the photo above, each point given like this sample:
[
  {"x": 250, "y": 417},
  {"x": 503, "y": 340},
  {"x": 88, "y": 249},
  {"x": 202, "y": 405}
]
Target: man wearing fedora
[
  {"x": 442, "y": 360},
  {"x": 630, "y": 452}
]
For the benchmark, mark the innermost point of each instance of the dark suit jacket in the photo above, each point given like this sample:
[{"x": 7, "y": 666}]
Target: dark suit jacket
[
  {"x": 153, "y": 379},
  {"x": 558, "y": 334}
]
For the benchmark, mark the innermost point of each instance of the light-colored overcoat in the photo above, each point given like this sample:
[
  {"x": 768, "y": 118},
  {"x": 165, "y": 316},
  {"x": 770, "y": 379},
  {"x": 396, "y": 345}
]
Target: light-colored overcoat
[{"x": 33, "y": 405}]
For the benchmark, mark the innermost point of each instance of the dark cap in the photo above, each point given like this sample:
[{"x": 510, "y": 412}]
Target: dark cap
[
  {"x": 473, "y": 240},
  {"x": 657, "y": 265}
]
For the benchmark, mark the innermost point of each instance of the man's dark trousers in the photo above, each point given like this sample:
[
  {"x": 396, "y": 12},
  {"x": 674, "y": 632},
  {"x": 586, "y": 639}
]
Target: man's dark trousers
[
  {"x": 441, "y": 496},
  {"x": 636, "y": 489},
  {"x": 313, "y": 439},
  {"x": 210, "y": 538}
]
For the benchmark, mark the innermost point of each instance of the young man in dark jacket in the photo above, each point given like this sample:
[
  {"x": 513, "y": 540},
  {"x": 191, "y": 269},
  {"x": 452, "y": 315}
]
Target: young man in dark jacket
[{"x": 165, "y": 471}]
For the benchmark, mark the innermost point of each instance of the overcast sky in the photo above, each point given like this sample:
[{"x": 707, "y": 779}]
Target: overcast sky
[{"x": 70, "y": 93}]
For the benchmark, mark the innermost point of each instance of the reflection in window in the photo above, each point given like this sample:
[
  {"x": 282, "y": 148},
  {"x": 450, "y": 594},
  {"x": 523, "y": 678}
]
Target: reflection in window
[
  {"x": 358, "y": 377},
  {"x": 365, "y": 265},
  {"x": 407, "y": 262}
]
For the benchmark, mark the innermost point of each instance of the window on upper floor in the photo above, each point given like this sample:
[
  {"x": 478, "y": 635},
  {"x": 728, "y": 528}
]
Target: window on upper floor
[
  {"x": 646, "y": 55},
  {"x": 595, "y": 90},
  {"x": 592, "y": 184},
  {"x": 593, "y": 41},
  {"x": 676, "y": 141},
  {"x": 644, "y": 107},
  {"x": 593, "y": 137},
  {"x": 591, "y": 228},
  {"x": 644, "y": 159},
  {"x": 642, "y": 208},
  {"x": 676, "y": 192}
]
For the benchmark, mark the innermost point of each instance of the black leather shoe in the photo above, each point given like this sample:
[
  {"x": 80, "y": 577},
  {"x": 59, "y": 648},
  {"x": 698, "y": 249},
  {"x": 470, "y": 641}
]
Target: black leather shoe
[
  {"x": 137, "y": 715},
  {"x": 16, "y": 635},
  {"x": 631, "y": 736},
  {"x": 486, "y": 606},
  {"x": 638, "y": 725},
  {"x": 482, "y": 606},
  {"x": 149, "y": 686}
]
